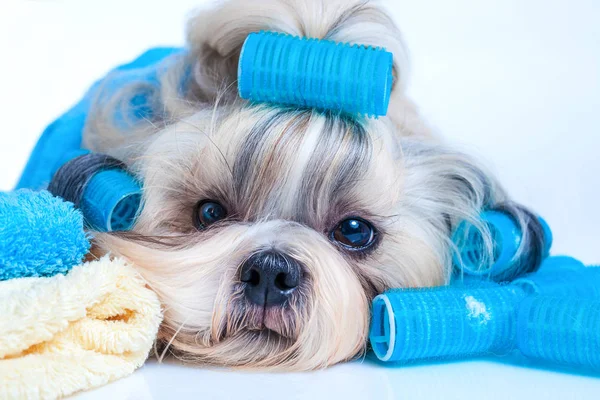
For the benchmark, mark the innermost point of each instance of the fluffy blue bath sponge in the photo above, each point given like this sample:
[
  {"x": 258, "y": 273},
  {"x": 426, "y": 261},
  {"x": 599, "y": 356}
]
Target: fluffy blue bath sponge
[{"x": 40, "y": 235}]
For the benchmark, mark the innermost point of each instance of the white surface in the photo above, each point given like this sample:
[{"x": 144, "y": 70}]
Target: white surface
[
  {"x": 466, "y": 380},
  {"x": 515, "y": 81}
]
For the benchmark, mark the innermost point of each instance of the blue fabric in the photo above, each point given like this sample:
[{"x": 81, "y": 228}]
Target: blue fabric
[
  {"x": 40, "y": 235},
  {"x": 64, "y": 135}
]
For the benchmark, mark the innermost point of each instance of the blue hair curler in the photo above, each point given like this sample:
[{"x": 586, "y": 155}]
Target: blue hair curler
[
  {"x": 111, "y": 200},
  {"x": 410, "y": 325},
  {"x": 108, "y": 196},
  {"x": 562, "y": 277},
  {"x": 465, "y": 320},
  {"x": 283, "y": 69},
  {"x": 564, "y": 330},
  {"x": 561, "y": 263},
  {"x": 506, "y": 239}
]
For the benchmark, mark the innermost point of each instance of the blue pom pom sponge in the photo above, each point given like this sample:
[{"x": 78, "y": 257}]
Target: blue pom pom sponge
[{"x": 288, "y": 70}]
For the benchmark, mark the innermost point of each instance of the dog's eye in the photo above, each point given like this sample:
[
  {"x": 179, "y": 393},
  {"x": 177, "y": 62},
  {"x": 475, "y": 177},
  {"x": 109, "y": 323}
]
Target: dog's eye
[
  {"x": 208, "y": 212},
  {"x": 354, "y": 233}
]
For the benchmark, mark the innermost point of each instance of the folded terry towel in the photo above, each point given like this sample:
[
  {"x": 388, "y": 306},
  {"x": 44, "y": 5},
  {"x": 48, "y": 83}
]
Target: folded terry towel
[{"x": 73, "y": 332}]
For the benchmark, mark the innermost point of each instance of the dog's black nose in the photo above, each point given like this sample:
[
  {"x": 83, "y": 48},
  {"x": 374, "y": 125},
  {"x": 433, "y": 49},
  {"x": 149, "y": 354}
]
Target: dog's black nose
[{"x": 270, "y": 277}]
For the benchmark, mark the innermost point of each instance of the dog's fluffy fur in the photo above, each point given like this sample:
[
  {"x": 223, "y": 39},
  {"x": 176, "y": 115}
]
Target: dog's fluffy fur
[{"x": 287, "y": 177}]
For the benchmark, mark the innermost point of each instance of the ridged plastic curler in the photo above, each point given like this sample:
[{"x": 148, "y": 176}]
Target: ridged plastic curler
[
  {"x": 108, "y": 196},
  {"x": 506, "y": 239},
  {"x": 552, "y": 268},
  {"x": 289, "y": 70},
  {"x": 465, "y": 320},
  {"x": 472, "y": 281},
  {"x": 561, "y": 264},
  {"x": 410, "y": 325},
  {"x": 111, "y": 200},
  {"x": 563, "y": 330},
  {"x": 580, "y": 282}
]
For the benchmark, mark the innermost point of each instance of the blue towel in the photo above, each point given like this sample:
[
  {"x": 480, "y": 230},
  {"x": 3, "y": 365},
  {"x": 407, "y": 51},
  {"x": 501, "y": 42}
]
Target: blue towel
[
  {"x": 40, "y": 235},
  {"x": 64, "y": 135}
]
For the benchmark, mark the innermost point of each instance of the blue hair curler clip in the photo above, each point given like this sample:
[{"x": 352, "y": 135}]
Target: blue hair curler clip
[
  {"x": 506, "y": 239},
  {"x": 464, "y": 320},
  {"x": 108, "y": 196},
  {"x": 283, "y": 69}
]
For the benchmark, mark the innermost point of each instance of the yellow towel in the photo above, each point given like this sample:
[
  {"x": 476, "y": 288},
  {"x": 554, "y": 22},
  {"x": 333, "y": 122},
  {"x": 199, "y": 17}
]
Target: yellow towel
[{"x": 64, "y": 334}]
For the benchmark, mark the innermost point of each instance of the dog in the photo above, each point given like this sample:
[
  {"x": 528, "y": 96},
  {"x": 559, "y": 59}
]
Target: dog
[{"x": 266, "y": 231}]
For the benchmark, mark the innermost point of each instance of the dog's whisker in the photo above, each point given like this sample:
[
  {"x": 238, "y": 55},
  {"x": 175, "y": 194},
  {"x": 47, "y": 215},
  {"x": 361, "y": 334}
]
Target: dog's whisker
[{"x": 168, "y": 345}]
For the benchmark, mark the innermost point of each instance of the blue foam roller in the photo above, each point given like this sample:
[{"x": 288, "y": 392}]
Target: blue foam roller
[
  {"x": 563, "y": 330},
  {"x": 283, "y": 69},
  {"x": 40, "y": 235}
]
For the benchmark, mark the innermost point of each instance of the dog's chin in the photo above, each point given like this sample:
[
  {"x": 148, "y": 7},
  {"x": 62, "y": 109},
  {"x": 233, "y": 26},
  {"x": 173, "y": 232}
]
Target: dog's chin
[
  {"x": 254, "y": 318},
  {"x": 246, "y": 348},
  {"x": 266, "y": 338},
  {"x": 282, "y": 320},
  {"x": 260, "y": 341}
]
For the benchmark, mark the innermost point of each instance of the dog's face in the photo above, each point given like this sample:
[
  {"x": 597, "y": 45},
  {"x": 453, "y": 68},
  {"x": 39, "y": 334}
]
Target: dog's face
[{"x": 266, "y": 232}]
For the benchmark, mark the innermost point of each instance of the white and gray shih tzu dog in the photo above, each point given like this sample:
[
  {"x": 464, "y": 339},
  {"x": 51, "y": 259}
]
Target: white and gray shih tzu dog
[{"x": 266, "y": 231}]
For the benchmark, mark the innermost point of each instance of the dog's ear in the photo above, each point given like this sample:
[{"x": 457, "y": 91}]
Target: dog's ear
[
  {"x": 445, "y": 187},
  {"x": 215, "y": 37}
]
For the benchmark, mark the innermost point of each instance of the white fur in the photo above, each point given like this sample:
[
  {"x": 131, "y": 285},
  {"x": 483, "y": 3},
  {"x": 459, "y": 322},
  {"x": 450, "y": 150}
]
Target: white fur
[{"x": 413, "y": 188}]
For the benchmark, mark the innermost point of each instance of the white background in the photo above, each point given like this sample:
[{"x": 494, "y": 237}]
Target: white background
[{"x": 516, "y": 82}]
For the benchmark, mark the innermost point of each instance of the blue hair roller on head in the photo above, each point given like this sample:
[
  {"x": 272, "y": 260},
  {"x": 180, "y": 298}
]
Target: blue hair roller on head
[
  {"x": 108, "y": 196},
  {"x": 283, "y": 69},
  {"x": 111, "y": 200},
  {"x": 409, "y": 325},
  {"x": 506, "y": 239}
]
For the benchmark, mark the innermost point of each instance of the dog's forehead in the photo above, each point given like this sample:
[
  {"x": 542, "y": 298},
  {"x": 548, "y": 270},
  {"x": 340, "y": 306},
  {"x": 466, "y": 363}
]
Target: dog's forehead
[{"x": 305, "y": 165}]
